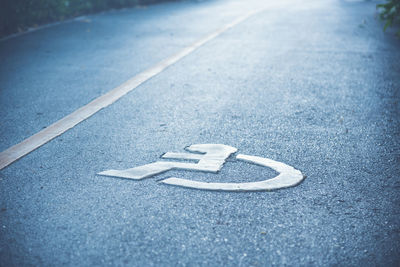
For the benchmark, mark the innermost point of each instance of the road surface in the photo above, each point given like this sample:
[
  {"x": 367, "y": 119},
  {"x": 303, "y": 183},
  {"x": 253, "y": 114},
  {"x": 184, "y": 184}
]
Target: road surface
[{"x": 312, "y": 84}]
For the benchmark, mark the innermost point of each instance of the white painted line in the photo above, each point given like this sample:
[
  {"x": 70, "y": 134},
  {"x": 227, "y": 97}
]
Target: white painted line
[
  {"x": 28, "y": 145},
  {"x": 288, "y": 177}
]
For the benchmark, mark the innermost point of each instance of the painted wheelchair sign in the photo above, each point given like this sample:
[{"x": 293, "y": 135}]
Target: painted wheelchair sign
[{"x": 211, "y": 158}]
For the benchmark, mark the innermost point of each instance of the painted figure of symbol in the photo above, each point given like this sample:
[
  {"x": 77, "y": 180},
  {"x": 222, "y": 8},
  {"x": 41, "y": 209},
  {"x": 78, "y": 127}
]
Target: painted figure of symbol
[{"x": 211, "y": 158}]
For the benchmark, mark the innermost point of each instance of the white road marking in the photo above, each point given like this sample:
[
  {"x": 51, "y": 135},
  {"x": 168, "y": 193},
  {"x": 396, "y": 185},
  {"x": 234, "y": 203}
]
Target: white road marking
[
  {"x": 288, "y": 177},
  {"x": 211, "y": 161},
  {"x": 35, "y": 141}
]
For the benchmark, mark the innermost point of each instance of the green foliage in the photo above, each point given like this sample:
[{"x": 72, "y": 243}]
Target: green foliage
[
  {"x": 390, "y": 13},
  {"x": 18, "y": 15}
]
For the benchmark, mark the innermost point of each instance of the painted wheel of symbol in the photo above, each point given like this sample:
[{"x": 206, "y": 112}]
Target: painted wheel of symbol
[{"x": 288, "y": 177}]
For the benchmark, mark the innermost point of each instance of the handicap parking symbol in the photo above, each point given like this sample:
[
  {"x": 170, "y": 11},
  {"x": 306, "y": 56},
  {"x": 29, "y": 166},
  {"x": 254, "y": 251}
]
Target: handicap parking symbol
[{"x": 211, "y": 158}]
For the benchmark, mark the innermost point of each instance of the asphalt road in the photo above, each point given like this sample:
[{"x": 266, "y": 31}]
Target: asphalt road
[{"x": 313, "y": 84}]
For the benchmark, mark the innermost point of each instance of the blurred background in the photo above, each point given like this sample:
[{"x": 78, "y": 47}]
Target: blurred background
[{"x": 19, "y": 15}]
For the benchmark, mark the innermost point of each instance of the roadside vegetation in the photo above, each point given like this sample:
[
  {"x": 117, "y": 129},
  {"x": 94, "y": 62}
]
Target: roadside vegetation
[
  {"x": 390, "y": 13},
  {"x": 19, "y": 15}
]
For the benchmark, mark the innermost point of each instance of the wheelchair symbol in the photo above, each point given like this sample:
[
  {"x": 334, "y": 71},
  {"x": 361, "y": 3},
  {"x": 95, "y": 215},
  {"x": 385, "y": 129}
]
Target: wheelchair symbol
[{"x": 211, "y": 158}]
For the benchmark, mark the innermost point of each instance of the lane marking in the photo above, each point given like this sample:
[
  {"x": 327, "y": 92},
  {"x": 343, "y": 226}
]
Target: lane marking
[
  {"x": 212, "y": 160},
  {"x": 17, "y": 151}
]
